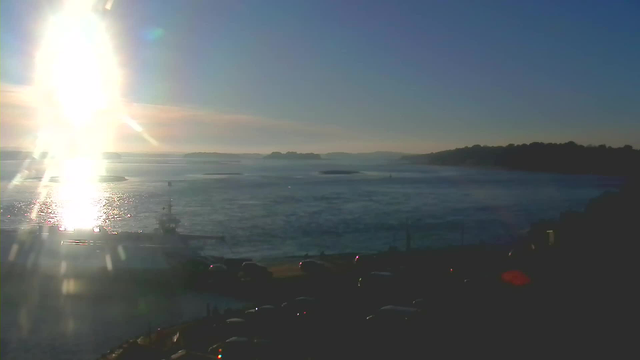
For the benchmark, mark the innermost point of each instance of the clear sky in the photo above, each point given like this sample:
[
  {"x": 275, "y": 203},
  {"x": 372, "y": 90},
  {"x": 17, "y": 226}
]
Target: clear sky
[{"x": 347, "y": 75}]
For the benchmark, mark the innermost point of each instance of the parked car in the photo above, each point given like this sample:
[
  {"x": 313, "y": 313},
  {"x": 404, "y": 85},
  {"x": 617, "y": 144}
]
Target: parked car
[
  {"x": 366, "y": 262},
  {"x": 377, "y": 280},
  {"x": 314, "y": 267},
  {"x": 393, "y": 315},
  {"x": 420, "y": 303},
  {"x": 262, "y": 311},
  {"x": 255, "y": 271},
  {"x": 234, "y": 265},
  {"x": 219, "y": 273},
  {"x": 300, "y": 307},
  {"x": 235, "y": 327},
  {"x": 234, "y": 348},
  {"x": 244, "y": 349}
]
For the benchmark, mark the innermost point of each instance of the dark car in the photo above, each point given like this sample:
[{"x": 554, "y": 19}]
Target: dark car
[
  {"x": 264, "y": 320},
  {"x": 234, "y": 265},
  {"x": 391, "y": 315},
  {"x": 235, "y": 327},
  {"x": 420, "y": 303},
  {"x": 401, "y": 329},
  {"x": 313, "y": 267},
  {"x": 184, "y": 355},
  {"x": 234, "y": 348},
  {"x": 300, "y": 307},
  {"x": 255, "y": 271},
  {"x": 219, "y": 274},
  {"x": 195, "y": 265},
  {"x": 366, "y": 262},
  {"x": 262, "y": 312},
  {"x": 377, "y": 280},
  {"x": 244, "y": 349}
]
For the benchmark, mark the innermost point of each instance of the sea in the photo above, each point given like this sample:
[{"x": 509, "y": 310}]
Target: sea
[
  {"x": 265, "y": 209},
  {"x": 271, "y": 208}
]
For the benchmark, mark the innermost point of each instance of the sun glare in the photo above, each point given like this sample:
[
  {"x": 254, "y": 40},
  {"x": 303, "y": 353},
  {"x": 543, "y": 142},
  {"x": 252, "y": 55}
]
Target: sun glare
[{"x": 78, "y": 83}]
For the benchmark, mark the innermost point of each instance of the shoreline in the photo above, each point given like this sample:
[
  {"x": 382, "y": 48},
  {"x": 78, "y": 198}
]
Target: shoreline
[{"x": 462, "y": 283}]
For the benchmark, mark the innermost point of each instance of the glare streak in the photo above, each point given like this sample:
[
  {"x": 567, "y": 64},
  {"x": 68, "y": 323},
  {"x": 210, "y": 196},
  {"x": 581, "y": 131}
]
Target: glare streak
[
  {"x": 13, "y": 252},
  {"x": 78, "y": 82},
  {"x": 107, "y": 259}
]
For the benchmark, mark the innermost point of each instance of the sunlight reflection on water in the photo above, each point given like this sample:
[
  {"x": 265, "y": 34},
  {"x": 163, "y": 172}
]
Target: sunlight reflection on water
[{"x": 79, "y": 195}]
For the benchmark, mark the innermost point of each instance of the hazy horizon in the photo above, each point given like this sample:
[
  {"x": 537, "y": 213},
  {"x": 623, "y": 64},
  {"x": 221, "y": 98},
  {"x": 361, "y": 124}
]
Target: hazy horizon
[{"x": 324, "y": 152}]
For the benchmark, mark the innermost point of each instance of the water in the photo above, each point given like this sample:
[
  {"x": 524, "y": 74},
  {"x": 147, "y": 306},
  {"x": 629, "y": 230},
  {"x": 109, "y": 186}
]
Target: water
[
  {"x": 281, "y": 208},
  {"x": 274, "y": 209}
]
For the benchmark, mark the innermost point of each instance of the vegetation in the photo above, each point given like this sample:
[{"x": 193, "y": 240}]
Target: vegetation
[
  {"x": 292, "y": 155},
  {"x": 223, "y": 173},
  {"x": 608, "y": 222},
  {"x": 592, "y": 249},
  {"x": 217, "y": 155},
  {"x": 376, "y": 155},
  {"x": 339, "y": 172},
  {"x": 569, "y": 158}
]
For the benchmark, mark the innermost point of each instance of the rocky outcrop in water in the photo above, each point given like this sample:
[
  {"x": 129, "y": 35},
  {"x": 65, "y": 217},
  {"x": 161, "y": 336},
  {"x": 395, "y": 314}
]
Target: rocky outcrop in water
[{"x": 339, "y": 172}]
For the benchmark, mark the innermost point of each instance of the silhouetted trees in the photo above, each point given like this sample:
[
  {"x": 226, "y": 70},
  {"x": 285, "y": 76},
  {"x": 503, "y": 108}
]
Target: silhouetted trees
[
  {"x": 217, "y": 155},
  {"x": 292, "y": 155},
  {"x": 609, "y": 220},
  {"x": 569, "y": 158},
  {"x": 598, "y": 245}
]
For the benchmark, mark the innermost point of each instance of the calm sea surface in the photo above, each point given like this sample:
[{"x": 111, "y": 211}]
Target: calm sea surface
[
  {"x": 280, "y": 208},
  {"x": 275, "y": 208}
]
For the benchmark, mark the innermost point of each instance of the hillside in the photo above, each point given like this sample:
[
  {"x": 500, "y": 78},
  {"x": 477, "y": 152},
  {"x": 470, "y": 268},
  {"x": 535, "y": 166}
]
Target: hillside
[
  {"x": 376, "y": 155},
  {"x": 567, "y": 158},
  {"x": 217, "y": 155},
  {"x": 292, "y": 155}
]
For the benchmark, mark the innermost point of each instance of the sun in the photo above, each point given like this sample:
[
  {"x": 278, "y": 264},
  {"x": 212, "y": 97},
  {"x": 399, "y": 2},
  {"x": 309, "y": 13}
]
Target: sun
[{"x": 78, "y": 84}]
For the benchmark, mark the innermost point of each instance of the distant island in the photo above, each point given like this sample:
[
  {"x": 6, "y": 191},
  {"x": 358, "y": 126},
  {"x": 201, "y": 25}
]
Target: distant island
[
  {"x": 375, "y": 155},
  {"x": 223, "y": 173},
  {"x": 292, "y": 155},
  {"x": 217, "y": 155},
  {"x": 567, "y": 158},
  {"x": 339, "y": 172}
]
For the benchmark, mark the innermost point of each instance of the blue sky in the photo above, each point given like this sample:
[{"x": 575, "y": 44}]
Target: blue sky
[{"x": 349, "y": 75}]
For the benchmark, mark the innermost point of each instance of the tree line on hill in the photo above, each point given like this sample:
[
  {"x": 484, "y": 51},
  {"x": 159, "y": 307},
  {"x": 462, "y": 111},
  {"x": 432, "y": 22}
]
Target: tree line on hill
[
  {"x": 568, "y": 158},
  {"x": 292, "y": 155},
  {"x": 596, "y": 245}
]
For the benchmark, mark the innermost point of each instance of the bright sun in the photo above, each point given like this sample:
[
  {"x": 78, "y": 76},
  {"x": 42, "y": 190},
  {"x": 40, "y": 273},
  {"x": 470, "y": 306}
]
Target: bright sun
[{"x": 78, "y": 83}]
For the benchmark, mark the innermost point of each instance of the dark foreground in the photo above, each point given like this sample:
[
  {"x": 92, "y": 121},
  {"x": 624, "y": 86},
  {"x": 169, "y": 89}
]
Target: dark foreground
[
  {"x": 565, "y": 295},
  {"x": 561, "y": 296},
  {"x": 496, "y": 305}
]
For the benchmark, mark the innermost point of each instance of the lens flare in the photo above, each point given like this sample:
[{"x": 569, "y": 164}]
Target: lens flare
[{"x": 78, "y": 86}]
